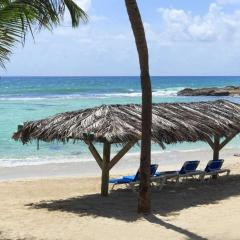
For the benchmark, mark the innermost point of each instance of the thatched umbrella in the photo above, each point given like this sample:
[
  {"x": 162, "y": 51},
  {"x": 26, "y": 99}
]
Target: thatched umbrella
[{"x": 121, "y": 124}]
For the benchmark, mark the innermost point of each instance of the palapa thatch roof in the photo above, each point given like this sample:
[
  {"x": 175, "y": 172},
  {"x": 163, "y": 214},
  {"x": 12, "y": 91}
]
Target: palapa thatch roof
[{"x": 172, "y": 122}]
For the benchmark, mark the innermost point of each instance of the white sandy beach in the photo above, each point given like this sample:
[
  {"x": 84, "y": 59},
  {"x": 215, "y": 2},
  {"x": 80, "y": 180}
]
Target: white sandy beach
[{"x": 61, "y": 201}]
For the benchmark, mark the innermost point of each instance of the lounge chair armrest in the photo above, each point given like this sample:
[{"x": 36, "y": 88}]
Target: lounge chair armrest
[
  {"x": 197, "y": 172},
  {"x": 218, "y": 171}
]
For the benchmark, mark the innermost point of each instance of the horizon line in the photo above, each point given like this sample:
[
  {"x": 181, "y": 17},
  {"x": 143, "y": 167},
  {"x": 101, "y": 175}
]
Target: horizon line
[{"x": 118, "y": 76}]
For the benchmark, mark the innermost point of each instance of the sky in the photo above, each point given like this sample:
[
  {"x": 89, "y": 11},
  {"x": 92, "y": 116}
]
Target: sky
[{"x": 185, "y": 38}]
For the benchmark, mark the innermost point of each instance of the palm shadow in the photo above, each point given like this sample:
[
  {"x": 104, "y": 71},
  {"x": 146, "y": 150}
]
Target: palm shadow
[
  {"x": 190, "y": 235},
  {"x": 122, "y": 204}
]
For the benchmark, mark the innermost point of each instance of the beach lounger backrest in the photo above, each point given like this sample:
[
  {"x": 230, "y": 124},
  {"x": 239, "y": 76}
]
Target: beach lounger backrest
[
  {"x": 189, "y": 166},
  {"x": 214, "y": 165},
  {"x": 153, "y": 169},
  {"x": 137, "y": 176}
]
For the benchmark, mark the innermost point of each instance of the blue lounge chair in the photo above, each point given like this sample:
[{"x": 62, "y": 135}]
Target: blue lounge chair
[
  {"x": 214, "y": 168},
  {"x": 132, "y": 180},
  {"x": 188, "y": 170}
]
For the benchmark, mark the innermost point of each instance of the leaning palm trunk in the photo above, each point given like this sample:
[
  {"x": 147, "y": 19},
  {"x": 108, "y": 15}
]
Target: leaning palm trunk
[{"x": 144, "y": 204}]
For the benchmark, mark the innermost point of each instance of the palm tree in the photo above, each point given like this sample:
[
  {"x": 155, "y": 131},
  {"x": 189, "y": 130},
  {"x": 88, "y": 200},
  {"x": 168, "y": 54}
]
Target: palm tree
[
  {"x": 18, "y": 17},
  {"x": 144, "y": 202}
]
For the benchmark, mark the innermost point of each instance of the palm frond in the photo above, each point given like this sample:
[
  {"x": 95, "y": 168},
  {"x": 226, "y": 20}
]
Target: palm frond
[
  {"x": 75, "y": 15},
  {"x": 18, "y": 17}
]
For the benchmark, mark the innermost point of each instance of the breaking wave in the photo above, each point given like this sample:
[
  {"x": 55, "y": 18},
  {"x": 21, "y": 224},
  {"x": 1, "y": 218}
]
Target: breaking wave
[{"x": 167, "y": 92}]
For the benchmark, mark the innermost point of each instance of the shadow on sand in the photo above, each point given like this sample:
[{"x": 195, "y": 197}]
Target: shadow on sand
[
  {"x": 3, "y": 238},
  {"x": 122, "y": 204}
]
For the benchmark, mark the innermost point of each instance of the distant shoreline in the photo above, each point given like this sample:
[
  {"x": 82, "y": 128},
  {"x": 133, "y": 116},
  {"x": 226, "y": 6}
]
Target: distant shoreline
[{"x": 233, "y": 91}]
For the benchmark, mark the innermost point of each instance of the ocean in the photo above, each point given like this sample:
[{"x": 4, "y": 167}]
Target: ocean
[{"x": 31, "y": 98}]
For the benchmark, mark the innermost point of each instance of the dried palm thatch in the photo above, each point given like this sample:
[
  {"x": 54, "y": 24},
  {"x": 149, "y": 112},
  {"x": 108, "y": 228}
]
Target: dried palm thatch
[{"x": 172, "y": 122}]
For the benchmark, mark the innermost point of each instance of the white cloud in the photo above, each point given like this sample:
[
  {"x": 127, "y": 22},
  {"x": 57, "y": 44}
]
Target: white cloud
[
  {"x": 84, "y": 4},
  {"x": 215, "y": 25},
  {"x": 180, "y": 43}
]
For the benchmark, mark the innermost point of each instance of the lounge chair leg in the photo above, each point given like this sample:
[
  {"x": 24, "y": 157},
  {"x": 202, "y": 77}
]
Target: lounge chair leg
[
  {"x": 132, "y": 186},
  {"x": 201, "y": 177},
  {"x": 215, "y": 176},
  {"x": 161, "y": 183},
  {"x": 177, "y": 180}
]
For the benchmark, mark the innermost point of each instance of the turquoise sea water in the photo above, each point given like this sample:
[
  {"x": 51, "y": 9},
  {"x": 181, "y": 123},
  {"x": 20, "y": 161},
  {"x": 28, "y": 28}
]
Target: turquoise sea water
[{"x": 30, "y": 98}]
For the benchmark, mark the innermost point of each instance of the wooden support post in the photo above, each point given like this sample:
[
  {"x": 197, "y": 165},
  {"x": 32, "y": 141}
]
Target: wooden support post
[
  {"x": 228, "y": 139},
  {"x": 95, "y": 154},
  {"x": 105, "y": 168},
  {"x": 210, "y": 142},
  {"x": 216, "y": 148}
]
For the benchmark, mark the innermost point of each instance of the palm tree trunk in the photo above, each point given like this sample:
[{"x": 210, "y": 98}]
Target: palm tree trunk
[{"x": 144, "y": 202}]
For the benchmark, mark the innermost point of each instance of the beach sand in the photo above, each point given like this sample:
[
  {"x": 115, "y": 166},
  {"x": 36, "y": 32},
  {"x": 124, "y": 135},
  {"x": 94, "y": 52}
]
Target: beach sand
[{"x": 69, "y": 207}]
